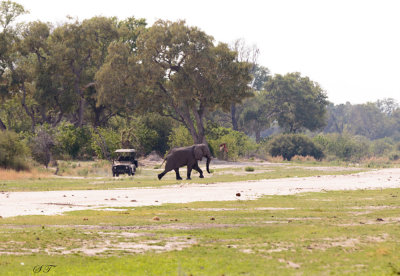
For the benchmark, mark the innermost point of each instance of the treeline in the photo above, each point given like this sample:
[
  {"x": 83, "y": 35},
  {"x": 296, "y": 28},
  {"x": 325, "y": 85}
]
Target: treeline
[{"x": 81, "y": 89}]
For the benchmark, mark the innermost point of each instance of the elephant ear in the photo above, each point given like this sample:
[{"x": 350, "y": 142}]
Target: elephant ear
[{"x": 198, "y": 152}]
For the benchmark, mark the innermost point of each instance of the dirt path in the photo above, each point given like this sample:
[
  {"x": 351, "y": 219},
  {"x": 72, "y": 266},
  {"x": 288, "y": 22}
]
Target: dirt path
[{"x": 56, "y": 202}]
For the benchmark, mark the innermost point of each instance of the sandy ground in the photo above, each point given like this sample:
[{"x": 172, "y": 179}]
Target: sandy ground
[{"x": 57, "y": 202}]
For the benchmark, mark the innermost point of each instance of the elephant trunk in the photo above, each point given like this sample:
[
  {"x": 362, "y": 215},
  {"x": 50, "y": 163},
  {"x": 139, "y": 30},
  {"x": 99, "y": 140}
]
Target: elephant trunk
[{"x": 208, "y": 164}]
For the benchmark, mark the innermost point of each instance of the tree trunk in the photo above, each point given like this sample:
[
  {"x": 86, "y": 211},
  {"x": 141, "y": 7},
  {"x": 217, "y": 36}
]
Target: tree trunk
[
  {"x": 258, "y": 136},
  {"x": 233, "y": 117},
  {"x": 98, "y": 112},
  {"x": 199, "y": 117},
  {"x": 2, "y": 126},
  {"x": 29, "y": 113},
  {"x": 197, "y": 131},
  {"x": 81, "y": 111}
]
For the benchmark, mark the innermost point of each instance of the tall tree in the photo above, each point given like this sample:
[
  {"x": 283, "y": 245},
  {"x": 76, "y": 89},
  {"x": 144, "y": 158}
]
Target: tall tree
[
  {"x": 9, "y": 11},
  {"x": 82, "y": 50},
  {"x": 388, "y": 105},
  {"x": 260, "y": 75},
  {"x": 257, "y": 115},
  {"x": 120, "y": 77},
  {"x": 338, "y": 117},
  {"x": 301, "y": 102},
  {"x": 178, "y": 71},
  {"x": 190, "y": 75},
  {"x": 32, "y": 74},
  {"x": 245, "y": 54}
]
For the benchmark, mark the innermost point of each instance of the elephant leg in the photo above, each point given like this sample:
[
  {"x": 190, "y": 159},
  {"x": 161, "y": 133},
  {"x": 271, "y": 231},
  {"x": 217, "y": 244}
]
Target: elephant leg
[
  {"x": 178, "y": 177},
  {"x": 197, "y": 168},
  {"x": 189, "y": 171},
  {"x": 161, "y": 175}
]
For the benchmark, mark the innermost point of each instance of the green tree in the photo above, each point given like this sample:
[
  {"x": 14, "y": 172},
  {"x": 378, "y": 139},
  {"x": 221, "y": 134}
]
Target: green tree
[
  {"x": 120, "y": 78},
  {"x": 372, "y": 120},
  {"x": 338, "y": 117},
  {"x": 301, "y": 103},
  {"x": 73, "y": 142},
  {"x": 32, "y": 74},
  {"x": 13, "y": 151},
  {"x": 261, "y": 75},
  {"x": 129, "y": 30},
  {"x": 179, "y": 137},
  {"x": 257, "y": 114},
  {"x": 176, "y": 70},
  {"x": 9, "y": 11},
  {"x": 289, "y": 145},
  {"x": 189, "y": 76},
  {"x": 80, "y": 49}
]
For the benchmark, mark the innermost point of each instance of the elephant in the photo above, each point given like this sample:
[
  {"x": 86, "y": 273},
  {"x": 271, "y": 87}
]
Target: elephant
[{"x": 179, "y": 157}]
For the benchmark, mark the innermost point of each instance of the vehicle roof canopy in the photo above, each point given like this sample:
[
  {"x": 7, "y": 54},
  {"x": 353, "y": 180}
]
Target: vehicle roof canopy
[{"x": 125, "y": 150}]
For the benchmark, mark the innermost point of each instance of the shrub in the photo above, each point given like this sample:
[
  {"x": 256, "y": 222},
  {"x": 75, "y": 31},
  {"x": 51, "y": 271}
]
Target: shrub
[
  {"x": 145, "y": 138},
  {"x": 289, "y": 145},
  {"x": 83, "y": 172},
  {"x": 382, "y": 146},
  {"x": 237, "y": 143},
  {"x": 344, "y": 146},
  {"x": 394, "y": 156},
  {"x": 249, "y": 169},
  {"x": 13, "y": 152},
  {"x": 105, "y": 141},
  {"x": 72, "y": 141},
  {"x": 180, "y": 137},
  {"x": 161, "y": 128},
  {"x": 41, "y": 146}
]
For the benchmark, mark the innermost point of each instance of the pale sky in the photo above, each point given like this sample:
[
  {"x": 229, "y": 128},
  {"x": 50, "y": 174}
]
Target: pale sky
[{"x": 350, "y": 47}]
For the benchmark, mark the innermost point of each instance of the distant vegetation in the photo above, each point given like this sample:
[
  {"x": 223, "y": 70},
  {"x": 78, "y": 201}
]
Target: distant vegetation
[{"x": 81, "y": 89}]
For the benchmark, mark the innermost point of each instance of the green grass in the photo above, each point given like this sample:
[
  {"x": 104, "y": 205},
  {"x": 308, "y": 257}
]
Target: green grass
[{"x": 343, "y": 232}]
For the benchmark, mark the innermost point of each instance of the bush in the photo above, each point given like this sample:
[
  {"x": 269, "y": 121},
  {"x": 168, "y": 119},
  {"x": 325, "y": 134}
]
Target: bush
[
  {"x": 394, "y": 156},
  {"x": 382, "y": 146},
  {"x": 249, "y": 169},
  {"x": 13, "y": 152},
  {"x": 289, "y": 145},
  {"x": 74, "y": 142},
  {"x": 105, "y": 141},
  {"x": 344, "y": 146},
  {"x": 41, "y": 147},
  {"x": 159, "y": 128},
  {"x": 180, "y": 137},
  {"x": 237, "y": 143}
]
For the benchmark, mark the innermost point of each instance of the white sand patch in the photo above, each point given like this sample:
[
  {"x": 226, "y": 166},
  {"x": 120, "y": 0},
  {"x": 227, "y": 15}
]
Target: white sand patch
[{"x": 57, "y": 202}]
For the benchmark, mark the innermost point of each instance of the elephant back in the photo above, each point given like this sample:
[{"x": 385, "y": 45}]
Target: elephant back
[{"x": 180, "y": 156}]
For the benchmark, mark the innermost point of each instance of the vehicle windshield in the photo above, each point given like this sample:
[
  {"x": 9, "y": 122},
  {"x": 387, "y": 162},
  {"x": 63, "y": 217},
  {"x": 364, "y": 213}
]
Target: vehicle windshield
[{"x": 125, "y": 158}]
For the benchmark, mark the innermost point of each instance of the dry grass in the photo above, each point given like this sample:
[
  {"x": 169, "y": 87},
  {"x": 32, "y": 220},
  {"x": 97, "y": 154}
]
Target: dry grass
[
  {"x": 303, "y": 158},
  {"x": 276, "y": 159},
  {"x": 7, "y": 174}
]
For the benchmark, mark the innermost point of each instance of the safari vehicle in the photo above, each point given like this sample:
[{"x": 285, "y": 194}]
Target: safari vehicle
[{"x": 125, "y": 162}]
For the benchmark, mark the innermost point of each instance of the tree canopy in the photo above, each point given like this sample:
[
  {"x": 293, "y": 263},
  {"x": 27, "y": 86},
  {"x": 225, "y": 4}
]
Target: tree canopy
[
  {"x": 180, "y": 71},
  {"x": 300, "y": 103}
]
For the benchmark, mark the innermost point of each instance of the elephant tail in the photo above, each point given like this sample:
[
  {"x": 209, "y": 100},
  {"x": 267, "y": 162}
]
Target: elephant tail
[{"x": 163, "y": 162}]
